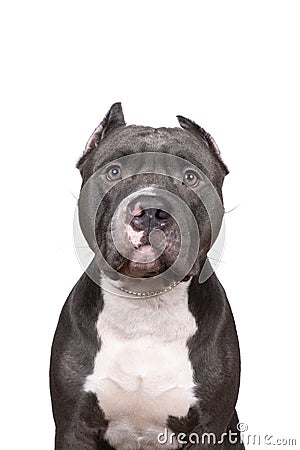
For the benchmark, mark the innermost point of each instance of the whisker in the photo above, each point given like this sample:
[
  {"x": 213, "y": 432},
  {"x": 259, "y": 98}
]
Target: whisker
[
  {"x": 216, "y": 260},
  {"x": 232, "y": 209},
  {"x": 73, "y": 195}
]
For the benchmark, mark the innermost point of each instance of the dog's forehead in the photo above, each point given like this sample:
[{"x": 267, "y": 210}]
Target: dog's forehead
[{"x": 135, "y": 139}]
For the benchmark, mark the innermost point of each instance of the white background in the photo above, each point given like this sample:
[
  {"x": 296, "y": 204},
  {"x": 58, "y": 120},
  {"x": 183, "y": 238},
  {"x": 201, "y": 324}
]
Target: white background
[{"x": 231, "y": 66}]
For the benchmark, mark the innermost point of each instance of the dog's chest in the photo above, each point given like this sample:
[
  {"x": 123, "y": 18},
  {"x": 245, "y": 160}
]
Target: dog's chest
[{"x": 142, "y": 373}]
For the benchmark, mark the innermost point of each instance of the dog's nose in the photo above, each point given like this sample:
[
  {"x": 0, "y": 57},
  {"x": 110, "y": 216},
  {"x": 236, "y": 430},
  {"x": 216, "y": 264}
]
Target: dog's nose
[{"x": 148, "y": 218}]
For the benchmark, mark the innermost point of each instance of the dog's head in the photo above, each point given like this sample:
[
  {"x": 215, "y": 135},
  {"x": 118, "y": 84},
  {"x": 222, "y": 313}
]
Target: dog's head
[{"x": 151, "y": 200}]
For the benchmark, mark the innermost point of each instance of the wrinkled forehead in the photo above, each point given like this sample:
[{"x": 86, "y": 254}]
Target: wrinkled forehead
[{"x": 151, "y": 148}]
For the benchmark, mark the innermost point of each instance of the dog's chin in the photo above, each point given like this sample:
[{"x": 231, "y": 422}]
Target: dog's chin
[
  {"x": 136, "y": 269},
  {"x": 143, "y": 268}
]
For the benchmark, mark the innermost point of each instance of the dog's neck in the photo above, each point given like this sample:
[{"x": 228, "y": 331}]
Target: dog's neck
[{"x": 134, "y": 288}]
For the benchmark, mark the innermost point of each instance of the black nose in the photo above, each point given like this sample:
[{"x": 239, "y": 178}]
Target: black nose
[{"x": 149, "y": 219}]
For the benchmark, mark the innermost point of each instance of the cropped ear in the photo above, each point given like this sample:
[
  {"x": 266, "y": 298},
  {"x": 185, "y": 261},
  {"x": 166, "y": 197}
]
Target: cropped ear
[
  {"x": 114, "y": 119},
  {"x": 194, "y": 128},
  {"x": 189, "y": 125}
]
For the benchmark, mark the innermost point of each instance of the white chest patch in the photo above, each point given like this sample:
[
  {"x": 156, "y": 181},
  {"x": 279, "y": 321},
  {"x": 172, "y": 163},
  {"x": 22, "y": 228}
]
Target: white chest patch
[{"x": 142, "y": 373}]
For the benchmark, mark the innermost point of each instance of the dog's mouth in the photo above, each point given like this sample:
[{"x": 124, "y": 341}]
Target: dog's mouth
[{"x": 150, "y": 253}]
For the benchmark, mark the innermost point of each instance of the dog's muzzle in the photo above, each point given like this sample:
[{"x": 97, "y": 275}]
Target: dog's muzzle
[{"x": 143, "y": 220}]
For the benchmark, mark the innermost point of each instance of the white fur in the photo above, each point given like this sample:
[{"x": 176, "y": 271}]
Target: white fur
[
  {"x": 134, "y": 236},
  {"x": 142, "y": 373}
]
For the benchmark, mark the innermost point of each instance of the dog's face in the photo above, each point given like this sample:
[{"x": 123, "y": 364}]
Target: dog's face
[{"x": 149, "y": 193}]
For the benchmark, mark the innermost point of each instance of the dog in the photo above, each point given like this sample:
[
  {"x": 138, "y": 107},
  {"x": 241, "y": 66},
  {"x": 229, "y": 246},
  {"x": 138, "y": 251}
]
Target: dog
[{"x": 145, "y": 354}]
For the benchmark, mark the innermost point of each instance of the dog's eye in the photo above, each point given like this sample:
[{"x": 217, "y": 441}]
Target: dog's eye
[
  {"x": 114, "y": 173},
  {"x": 191, "y": 178}
]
